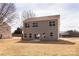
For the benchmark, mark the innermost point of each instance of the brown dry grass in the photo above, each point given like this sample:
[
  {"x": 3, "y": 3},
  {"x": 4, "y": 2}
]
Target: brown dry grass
[{"x": 15, "y": 47}]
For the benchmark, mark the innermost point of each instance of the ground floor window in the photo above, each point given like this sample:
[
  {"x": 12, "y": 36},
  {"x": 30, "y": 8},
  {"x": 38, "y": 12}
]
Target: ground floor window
[
  {"x": 44, "y": 35},
  {"x": 51, "y": 33},
  {"x": 30, "y": 35},
  {"x": 25, "y": 35}
]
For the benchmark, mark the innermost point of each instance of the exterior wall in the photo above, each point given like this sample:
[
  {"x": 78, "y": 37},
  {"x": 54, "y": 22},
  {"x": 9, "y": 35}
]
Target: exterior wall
[
  {"x": 17, "y": 35},
  {"x": 5, "y": 31},
  {"x": 43, "y": 27}
]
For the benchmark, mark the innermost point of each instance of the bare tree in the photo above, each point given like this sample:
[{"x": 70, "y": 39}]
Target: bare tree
[
  {"x": 12, "y": 18},
  {"x": 27, "y": 14},
  {"x": 6, "y": 9}
]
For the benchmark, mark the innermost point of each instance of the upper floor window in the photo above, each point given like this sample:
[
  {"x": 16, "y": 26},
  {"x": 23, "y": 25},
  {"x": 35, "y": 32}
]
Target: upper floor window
[
  {"x": 27, "y": 25},
  {"x": 51, "y": 23},
  {"x": 35, "y": 24}
]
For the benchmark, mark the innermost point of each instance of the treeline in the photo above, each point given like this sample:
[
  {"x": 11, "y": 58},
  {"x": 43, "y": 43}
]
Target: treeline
[
  {"x": 17, "y": 32},
  {"x": 70, "y": 33}
]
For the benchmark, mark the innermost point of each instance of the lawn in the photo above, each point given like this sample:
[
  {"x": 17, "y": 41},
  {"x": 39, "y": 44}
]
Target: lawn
[{"x": 62, "y": 47}]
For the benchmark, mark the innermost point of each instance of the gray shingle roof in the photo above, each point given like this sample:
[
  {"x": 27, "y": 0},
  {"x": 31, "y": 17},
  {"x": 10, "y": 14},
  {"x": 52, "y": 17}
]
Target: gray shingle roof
[{"x": 43, "y": 18}]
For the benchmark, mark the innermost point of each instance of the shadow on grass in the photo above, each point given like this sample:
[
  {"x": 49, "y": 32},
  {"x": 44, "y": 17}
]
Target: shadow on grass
[{"x": 49, "y": 42}]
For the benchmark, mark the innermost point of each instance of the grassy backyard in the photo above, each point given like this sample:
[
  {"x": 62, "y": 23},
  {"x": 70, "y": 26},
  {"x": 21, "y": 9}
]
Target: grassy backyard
[{"x": 16, "y": 47}]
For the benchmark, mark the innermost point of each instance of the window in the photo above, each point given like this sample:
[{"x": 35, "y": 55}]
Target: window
[
  {"x": 44, "y": 36},
  {"x": 51, "y": 34},
  {"x": 25, "y": 35},
  {"x": 43, "y": 33},
  {"x": 35, "y": 36},
  {"x": 27, "y": 25},
  {"x": 35, "y": 24},
  {"x": 30, "y": 35},
  {"x": 51, "y": 23}
]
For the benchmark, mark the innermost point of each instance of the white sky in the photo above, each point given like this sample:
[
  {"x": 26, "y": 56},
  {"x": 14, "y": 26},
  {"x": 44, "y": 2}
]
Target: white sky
[{"x": 69, "y": 13}]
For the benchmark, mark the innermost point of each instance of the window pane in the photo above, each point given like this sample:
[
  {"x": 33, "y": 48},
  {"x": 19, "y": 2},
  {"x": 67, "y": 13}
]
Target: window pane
[
  {"x": 51, "y": 34},
  {"x": 53, "y": 24},
  {"x": 35, "y": 24}
]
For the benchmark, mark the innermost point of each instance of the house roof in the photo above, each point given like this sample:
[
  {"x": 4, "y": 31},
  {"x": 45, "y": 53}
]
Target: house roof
[
  {"x": 4, "y": 24},
  {"x": 43, "y": 18}
]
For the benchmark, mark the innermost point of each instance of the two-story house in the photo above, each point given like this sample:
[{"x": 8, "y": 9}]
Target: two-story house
[{"x": 41, "y": 28}]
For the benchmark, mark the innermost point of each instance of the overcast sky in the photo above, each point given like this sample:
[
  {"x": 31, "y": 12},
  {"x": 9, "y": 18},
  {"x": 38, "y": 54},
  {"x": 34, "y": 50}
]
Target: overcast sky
[{"x": 69, "y": 13}]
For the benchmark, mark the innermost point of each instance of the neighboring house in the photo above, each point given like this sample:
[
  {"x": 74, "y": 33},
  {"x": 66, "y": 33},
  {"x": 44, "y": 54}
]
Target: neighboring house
[
  {"x": 41, "y": 28},
  {"x": 5, "y": 31}
]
